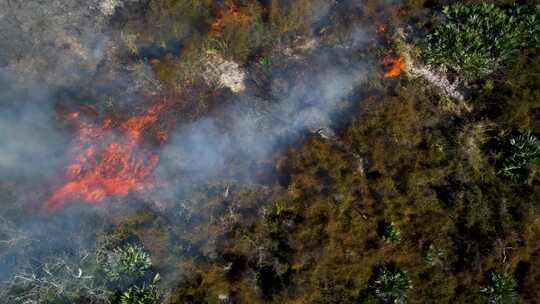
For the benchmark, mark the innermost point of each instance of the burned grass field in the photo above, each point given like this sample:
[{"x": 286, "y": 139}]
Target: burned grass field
[{"x": 306, "y": 151}]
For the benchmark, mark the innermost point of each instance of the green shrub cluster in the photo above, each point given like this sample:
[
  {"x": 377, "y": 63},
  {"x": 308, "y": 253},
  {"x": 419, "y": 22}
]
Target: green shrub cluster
[
  {"x": 126, "y": 263},
  {"x": 476, "y": 40},
  {"x": 523, "y": 150},
  {"x": 126, "y": 269},
  {"x": 391, "y": 285},
  {"x": 145, "y": 294},
  {"x": 501, "y": 289},
  {"x": 392, "y": 234}
]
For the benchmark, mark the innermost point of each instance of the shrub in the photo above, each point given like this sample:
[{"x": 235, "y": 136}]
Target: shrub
[
  {"x": 392, "y": 234},
  {"x": 501, "y": 288},
  {"x": 391, "y": 285},
  {"x": 522, "y": 151},
  {"x": 55, "y": 280},
  {"x": 145, "y": 294},
  {"x": 476, "y": 40},
  {"x": 127, "y": 263},
  {"x": 434, "y": 255}
]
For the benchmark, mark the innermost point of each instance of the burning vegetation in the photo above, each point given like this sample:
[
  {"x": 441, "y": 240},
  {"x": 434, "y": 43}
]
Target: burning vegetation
[
  {"x": 229, "y": 16},
  {"x": 395, "y": 66},
  {"x": 295, "y": 171},
  {"x": 108, "y": 159}
]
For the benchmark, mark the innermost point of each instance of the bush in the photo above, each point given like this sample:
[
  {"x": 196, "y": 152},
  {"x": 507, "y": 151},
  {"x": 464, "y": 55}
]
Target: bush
[
  {"x": 128, "y": 263},
  {"x": 145, "y": 294},
  {"x": 476, "y": 40},
  {"x": 56, "y": 280},
  {"x": 522, "y": 151},
  {"x": 501, "y": 289},
  {"x": 391, "y": 285},
  {"x": 392, "y": 234},
  {"x": 434, "y": 255}
]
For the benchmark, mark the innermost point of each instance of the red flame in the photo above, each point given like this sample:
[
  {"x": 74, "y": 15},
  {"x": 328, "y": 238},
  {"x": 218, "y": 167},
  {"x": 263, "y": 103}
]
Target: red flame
[
  {"x": 107, "y": 163},
  {"x": 396, "y": 66}
]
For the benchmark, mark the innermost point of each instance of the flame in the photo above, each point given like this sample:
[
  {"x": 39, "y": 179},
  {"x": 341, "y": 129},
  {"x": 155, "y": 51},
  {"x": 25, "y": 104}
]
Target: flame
[
  {"x": 229, "y": 16},
  {"x": 396, "y": 66},
  {"x": 216, "y": 26},
  {"x": 381, "y": 28},
  {"x": 73, "y": 115},
  {"x": 107, "y": 163}
]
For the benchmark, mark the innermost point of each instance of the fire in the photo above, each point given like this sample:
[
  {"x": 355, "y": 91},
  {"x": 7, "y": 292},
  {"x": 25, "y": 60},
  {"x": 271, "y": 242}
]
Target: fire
[
  {"x": 107, "y": 163},
  {"x": 217, "y": 24},
  {"x": 228, "y": 16},
  {"x": 395, "y": 66},
  {"x": 73, "y": 115},
  {"x": 381, "y": 28}
]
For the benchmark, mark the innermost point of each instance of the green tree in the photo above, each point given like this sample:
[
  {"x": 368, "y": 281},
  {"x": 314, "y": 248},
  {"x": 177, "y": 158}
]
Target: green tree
[
  {"x": 144, "y": 294},
  {"x": 501, "y": 289},
  {"x": 127, "y": 263},
  {"x": 391, "y": 285},
  {"x": 392, "y": 234},
  {"x": 523, "y": 150}
]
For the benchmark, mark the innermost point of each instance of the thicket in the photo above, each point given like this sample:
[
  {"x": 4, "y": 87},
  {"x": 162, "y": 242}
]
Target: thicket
[
  {"x": 522, "y": 151},
  {"x": 474, "y": 41},
  {"x": 118, "y": 276},
  {"x": 501, "y": 288},
  {"x": 391, "y": 285}
]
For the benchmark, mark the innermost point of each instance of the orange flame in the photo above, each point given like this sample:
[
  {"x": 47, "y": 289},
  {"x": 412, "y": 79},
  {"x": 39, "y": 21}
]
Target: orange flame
[
  {"x": 73, "y": 115},
  {"x": 113, "y": 169},
  {"x": 229, "y": 16},
  {"x": 217, "y": 24},
  {"x": 396, "y": 66}
]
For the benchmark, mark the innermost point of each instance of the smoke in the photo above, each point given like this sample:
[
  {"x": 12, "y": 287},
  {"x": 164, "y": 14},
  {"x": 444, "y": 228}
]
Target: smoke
[
  {"x": 62, "y": 44},
  {"x": 46, "y": 48},
  {"x": 31, "y": 145},
  {"x": 204, "y": 149},
  {"x": 50, "y": 47}
]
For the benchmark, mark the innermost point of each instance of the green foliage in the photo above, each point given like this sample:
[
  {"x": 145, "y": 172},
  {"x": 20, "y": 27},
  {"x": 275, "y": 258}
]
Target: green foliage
[
  {"x": 392, "y": 234},
  {"x": 523, "y": 150},
  {"x": 264, "y": 61},
  {"x": 434, "y": 255},
  {"x": 145, "y": 294},
  {"x": 391, "y": 285},
  {"x": 501, "y": 289},
  {"x": 476, "y": 40},
  {"x": 127, "y": 263},
  {"x": 126, "y": 268}
]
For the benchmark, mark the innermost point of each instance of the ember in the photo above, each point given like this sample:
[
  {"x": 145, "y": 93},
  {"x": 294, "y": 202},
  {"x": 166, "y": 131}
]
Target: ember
[
  {"x": 107, "y": 163},
  {"x": 395, "y": 66}
]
